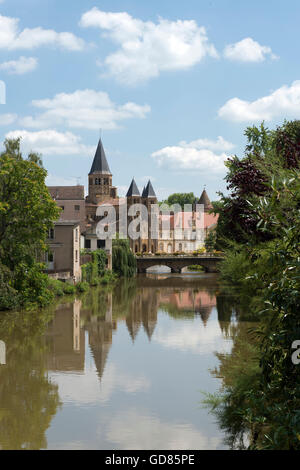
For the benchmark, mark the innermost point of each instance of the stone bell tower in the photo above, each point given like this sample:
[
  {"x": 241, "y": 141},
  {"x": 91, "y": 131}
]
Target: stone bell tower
[{"x": 100, "y": 179}]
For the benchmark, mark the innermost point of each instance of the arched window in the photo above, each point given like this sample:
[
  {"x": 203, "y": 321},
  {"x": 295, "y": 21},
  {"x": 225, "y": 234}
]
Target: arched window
[
  {"x": 161, "y": 247},
  {"x": 170, "y": 248},
  {"x": 136, "y": 248},
  {"x": 144, "y": 248},
  {"x": 180, "y": 246}
]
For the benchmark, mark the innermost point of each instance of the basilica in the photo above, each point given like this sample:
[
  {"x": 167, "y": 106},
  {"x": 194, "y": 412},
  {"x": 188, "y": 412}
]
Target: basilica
[{"x": 176, "y": 232}]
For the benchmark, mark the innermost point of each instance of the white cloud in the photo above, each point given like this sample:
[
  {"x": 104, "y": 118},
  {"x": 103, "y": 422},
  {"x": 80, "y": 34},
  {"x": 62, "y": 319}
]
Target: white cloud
[
  {"x": 146, "y": 48},
  {"x": 20, "y": 66},
  {"x": 51, "y": 142},
  {"x": 283, "y": 102},
  {"x": 7, "y": 119},
  {"x": 198, "y": 155},
  {"x": 11, "y": 37},
  {"x": 133, "y": 429},
  {"x": 86, "y": 389},
  {"x": 87, "y": 109},
  {"x": 194, "y": 338},
  {"x": 248, "y": 50}
]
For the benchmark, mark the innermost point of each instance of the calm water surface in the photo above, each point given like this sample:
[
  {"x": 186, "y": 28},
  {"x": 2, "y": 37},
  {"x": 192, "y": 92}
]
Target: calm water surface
[{"x": 117, "y": 369}]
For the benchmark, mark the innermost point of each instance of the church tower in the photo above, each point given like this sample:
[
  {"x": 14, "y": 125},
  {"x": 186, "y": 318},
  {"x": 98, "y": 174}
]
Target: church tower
[
  {"x": 204, "y": 199},
  {"x": 133, "y": 197},
  {"x": 149, "y": 198},
  {"x": 100, "y": 179}
]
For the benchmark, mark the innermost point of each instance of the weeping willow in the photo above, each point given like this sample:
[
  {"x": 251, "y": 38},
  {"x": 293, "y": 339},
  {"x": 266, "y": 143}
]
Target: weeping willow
[{"x": 124, "y": 262}]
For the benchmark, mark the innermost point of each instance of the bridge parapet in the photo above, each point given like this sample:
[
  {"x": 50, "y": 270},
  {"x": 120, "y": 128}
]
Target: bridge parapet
[{"x": 208, "y": 261}]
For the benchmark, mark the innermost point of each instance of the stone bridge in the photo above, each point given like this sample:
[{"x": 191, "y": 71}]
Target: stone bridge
[{"x": 177, "y": 263}]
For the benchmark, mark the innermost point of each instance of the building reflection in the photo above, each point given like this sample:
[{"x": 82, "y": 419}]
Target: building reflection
[
  {"x": 100, "y": 330},
  {"x": 65, "y": 339},
  {"x": 190, "y": 301},
  {"x": 143, "y": 312},
  {"x": 100, "y": 311}
]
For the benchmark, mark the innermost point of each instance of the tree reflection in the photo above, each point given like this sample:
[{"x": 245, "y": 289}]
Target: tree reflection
[
  {"x": 28, "y": 399},
  {"x": 238, "y": 370}
]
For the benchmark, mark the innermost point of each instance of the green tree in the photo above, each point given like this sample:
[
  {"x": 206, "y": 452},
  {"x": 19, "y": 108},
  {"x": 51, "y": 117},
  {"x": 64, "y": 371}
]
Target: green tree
[
  {"x": 27, "y": 212},
  {"x": 210, "y": 241},
  {"x": 180, "y": 198},
  {"x": 123, "y": 260},
  {"x": 262, "y": 217}
]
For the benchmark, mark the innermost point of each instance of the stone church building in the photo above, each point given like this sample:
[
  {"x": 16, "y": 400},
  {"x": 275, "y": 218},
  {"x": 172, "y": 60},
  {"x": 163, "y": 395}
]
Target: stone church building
[{"x": 103, "y": 194}]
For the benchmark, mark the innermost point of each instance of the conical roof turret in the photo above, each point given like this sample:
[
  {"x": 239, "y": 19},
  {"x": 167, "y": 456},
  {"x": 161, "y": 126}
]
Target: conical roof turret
[
  {"x": 100, "y": 164},
  {"x": 133, "y": 189}
]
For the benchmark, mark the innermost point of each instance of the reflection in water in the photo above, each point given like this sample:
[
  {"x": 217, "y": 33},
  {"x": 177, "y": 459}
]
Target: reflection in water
[
  {"x": 125, "y": 364},
  {"x": 28, "y": 399}
]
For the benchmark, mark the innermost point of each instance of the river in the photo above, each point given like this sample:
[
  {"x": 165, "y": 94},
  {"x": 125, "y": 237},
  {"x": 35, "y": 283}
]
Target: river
[{"x": 117, "y": 368}]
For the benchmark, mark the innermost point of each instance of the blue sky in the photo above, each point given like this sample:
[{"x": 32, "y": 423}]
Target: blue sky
[{"x": 171, "y": 84}]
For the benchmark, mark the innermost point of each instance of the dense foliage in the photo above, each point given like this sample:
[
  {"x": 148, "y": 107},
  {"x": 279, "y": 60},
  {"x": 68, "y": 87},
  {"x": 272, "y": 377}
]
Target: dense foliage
[
  {"x": 124, "y": 262},
  {"x": 260, "y": 229},
  {"x": 95, "y": 272},
  {"x": 180, "y": 198},
  {"x": 27, "y": 212}
]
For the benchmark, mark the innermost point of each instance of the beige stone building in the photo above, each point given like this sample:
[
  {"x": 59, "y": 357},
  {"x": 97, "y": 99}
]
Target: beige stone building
[
  {"x": 63, "y": 257},
  {"x": 186, "y": 231},
  {"x": 72, "y": 203}
]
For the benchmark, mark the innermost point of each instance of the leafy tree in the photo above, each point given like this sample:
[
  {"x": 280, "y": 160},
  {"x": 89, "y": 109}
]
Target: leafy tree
[
  {"x": 123, "y": 260},
  {"x": 180, "y": 198},
  {"x": 210, "y": 241},
  {"x": 263, "y": 257},
  {"x": 27, "y": 212},
  {"x": 267, "y": 153}
]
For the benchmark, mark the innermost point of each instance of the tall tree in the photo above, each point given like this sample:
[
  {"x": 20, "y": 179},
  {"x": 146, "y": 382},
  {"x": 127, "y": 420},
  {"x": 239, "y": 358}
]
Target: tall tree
[{"x": 27, "y": 212}]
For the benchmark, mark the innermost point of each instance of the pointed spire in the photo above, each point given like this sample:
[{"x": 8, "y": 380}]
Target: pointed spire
[
  {"x": 204, "y": 199},
  {"x": 133, "y": 189},
  {"x": 100, "y": 164},
  {"x": 144, "y": 191},
  {"x": 149, "y": 191}
]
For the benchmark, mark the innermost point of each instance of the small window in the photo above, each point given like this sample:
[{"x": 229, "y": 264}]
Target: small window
[
  {"x": 100, "y": 243},
  {"x": 76, "y": 235},
  {"x": 62, "y": 208},
  {"x": 76, "y": 256},
  {"x": 49, "y": 258},
  {"x": 51, "y": 234},
  {"x": 87, "y": 244},
  {"x": 77, "y": 208}
]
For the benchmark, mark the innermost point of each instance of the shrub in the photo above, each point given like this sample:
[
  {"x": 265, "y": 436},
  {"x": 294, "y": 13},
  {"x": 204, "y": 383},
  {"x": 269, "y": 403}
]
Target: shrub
[
  {"x": 57, "y": 287},
  {"x": 69, "y": 289},
  {"x": 82, "y": 286},
  {"x": 195, "y": 267}
]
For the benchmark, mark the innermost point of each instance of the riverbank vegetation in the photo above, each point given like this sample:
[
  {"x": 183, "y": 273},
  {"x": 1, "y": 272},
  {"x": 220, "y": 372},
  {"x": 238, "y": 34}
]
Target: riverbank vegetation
[
  {"x": 123, "y": 260},
  {"x": 259, "y": 230},
  {"x": 27, "y": 212}
]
